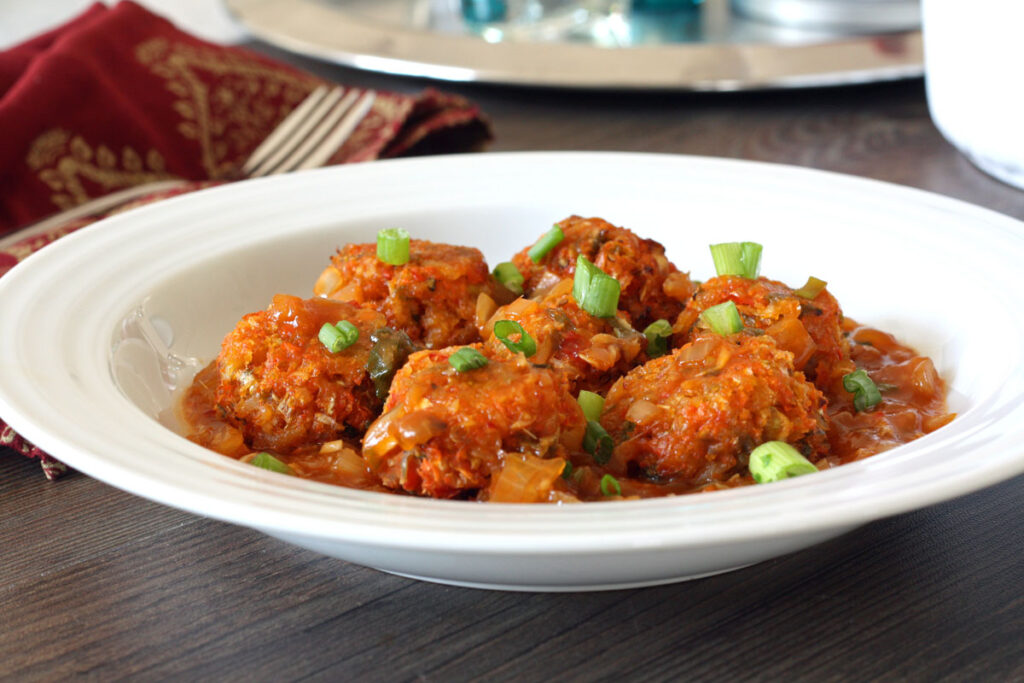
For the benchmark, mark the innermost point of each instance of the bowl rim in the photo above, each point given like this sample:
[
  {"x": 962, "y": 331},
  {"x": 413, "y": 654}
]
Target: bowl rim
[{"x": 843, "y": 497}]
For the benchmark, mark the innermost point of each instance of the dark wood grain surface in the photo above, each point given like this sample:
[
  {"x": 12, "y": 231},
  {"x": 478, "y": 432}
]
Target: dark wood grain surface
[{"x": 97, "y": 583}]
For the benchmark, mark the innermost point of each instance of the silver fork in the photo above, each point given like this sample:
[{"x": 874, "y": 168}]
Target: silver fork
[{"x": 311, "y": 133}]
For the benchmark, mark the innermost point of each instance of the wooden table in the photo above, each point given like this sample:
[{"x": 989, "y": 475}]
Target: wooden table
[{"x": 101, "y": 583}]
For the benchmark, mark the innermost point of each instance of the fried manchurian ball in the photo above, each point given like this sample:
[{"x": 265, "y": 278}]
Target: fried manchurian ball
[
  {"x": 695, "y": 415},
  {"x": 445, "y": 433},
  {"x": 652, "y": 288},
  {"x": 811, "y": 329},
  {"x": 591, "y": 352},
  {"x": 283, "y": 388},
  {"x": 432, "y": 298}
]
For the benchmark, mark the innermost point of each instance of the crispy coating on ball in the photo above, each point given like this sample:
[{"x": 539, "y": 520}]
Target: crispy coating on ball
[
  {"x": 432, "y": 298},
  {"x": 446, "y": 433},
  {"x": 590, "y": 352},
  {"x": 809, "y": 328},
  {"x": 652, "y": 288},
  {"x": 280, "y": 385},
  {"x": 695, "y": 415}
]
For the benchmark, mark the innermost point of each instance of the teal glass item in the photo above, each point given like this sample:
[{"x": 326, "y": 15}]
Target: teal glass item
[
  {"x": 484, "y": 11},
  {"x": 662, "y": 5}
]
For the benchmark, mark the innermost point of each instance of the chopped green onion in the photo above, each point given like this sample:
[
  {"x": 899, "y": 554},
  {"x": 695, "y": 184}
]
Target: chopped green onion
[
  {"x": 551, "y": 239},
  {"x": 723, "y": 319},
  {"x": 393, "y": 246},
  {"x": 268, "y": 462},
  {"x": 737, "y": 258},
  {"x": 603, "y": 297},
  {"x": 591, "y": 403},
  {"x": 503, "y": 329},
  {"x": 467, "y": 358},
  {"x": 507, "y": 274},
  {"x": 567, "y": 470},
  {"x": 350, "y": 331},
  {"x": 657, "y": 334},
  {"x": 331, "y": 337},
  {"x": 865, "y": 392},
  {"x": 585, "y": 272},
  {"x": 595, "y": 291},
  {"x": 811, "y": 289},
  {"x": 338, "y": 337},
  {"x": 777, "y": 460},
  {"x": 610, "y": 486},
  {"x": 598, "y": 442}
]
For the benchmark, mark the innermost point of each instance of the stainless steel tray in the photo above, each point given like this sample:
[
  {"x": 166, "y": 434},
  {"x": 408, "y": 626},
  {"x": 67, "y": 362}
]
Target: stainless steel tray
[{"x": 711, "y": 49}]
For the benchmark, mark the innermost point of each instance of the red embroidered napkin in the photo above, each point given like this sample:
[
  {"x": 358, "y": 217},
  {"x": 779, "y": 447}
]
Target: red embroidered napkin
[{"x": 118, "y": 97}]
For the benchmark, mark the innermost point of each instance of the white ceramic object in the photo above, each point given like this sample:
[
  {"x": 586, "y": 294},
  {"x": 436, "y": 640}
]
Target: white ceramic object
[
  {"x": 973, "y": 58},
  {"x": 99, "y": 328}
]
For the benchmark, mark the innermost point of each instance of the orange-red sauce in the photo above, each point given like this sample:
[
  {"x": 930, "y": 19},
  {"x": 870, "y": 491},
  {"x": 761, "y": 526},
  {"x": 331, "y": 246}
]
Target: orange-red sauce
[{"x": 913, "y": 404}]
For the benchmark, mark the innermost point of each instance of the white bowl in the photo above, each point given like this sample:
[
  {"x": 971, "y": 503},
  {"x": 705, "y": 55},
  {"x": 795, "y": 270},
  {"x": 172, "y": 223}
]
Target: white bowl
[{"x": 101, "y": 328}]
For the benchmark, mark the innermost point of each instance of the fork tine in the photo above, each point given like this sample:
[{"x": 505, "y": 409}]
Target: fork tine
[
  {"x": 337, "y": 137},
  {"x": 283, "y": 129},
  {"x": 295, "y": 136},
  {"x": 313, "y": 138}
]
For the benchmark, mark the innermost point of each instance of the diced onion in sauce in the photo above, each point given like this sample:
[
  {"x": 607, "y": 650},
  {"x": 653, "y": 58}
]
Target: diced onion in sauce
[
  {"x": 791, "y": 335},
  {"x": 485, "y": 308},
  {"x": 641, "y": 411},
  {"x": 525, "y": 479}
]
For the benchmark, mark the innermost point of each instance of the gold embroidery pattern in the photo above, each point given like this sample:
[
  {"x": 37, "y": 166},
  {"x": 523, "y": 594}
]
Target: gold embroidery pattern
[
  {"x": 65, "y": 162},
  {"x": 231, "y": 117},
  {"x": 227, "y": 120}
]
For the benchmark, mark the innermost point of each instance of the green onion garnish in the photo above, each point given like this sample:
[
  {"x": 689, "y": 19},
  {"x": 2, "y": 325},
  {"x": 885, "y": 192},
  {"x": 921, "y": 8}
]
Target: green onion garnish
[
  {"x": 503, "y": 329},
  {"x": 338, "y": 337},
  {"x": 507, "y": 274},
  {"x": 865, "y": 391},
  {"x": 737, "y": 258},
  {"x": 723, "y": 319},
  {"x": 811, "y": 289},
  {"x": 598, "y": 442},
  {"x": 393, "y": 246},
  {"x": 567, "y": 470},
  {"x": 603, "y": 297},
  {"x": 467, "y": 358},
  {"x": 585, "y": 272},
  {"x": 591, "y": 403},
  {"x": 551, "y": 239},
  {"x": 777, "y": 460},
  {"x": 595, "y": 291},
  {"x": 657, "y": 334},
  {"x": 610, "y": 486},
  {"x": 268, "y": 462}
]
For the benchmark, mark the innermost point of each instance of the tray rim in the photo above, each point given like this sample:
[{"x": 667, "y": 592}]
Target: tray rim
[{"x": 312, "y": 28}]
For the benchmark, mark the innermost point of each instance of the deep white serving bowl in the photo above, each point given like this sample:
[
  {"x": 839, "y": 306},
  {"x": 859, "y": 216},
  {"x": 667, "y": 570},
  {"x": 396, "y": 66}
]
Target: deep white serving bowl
[{"x": 100, "y": 329}]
